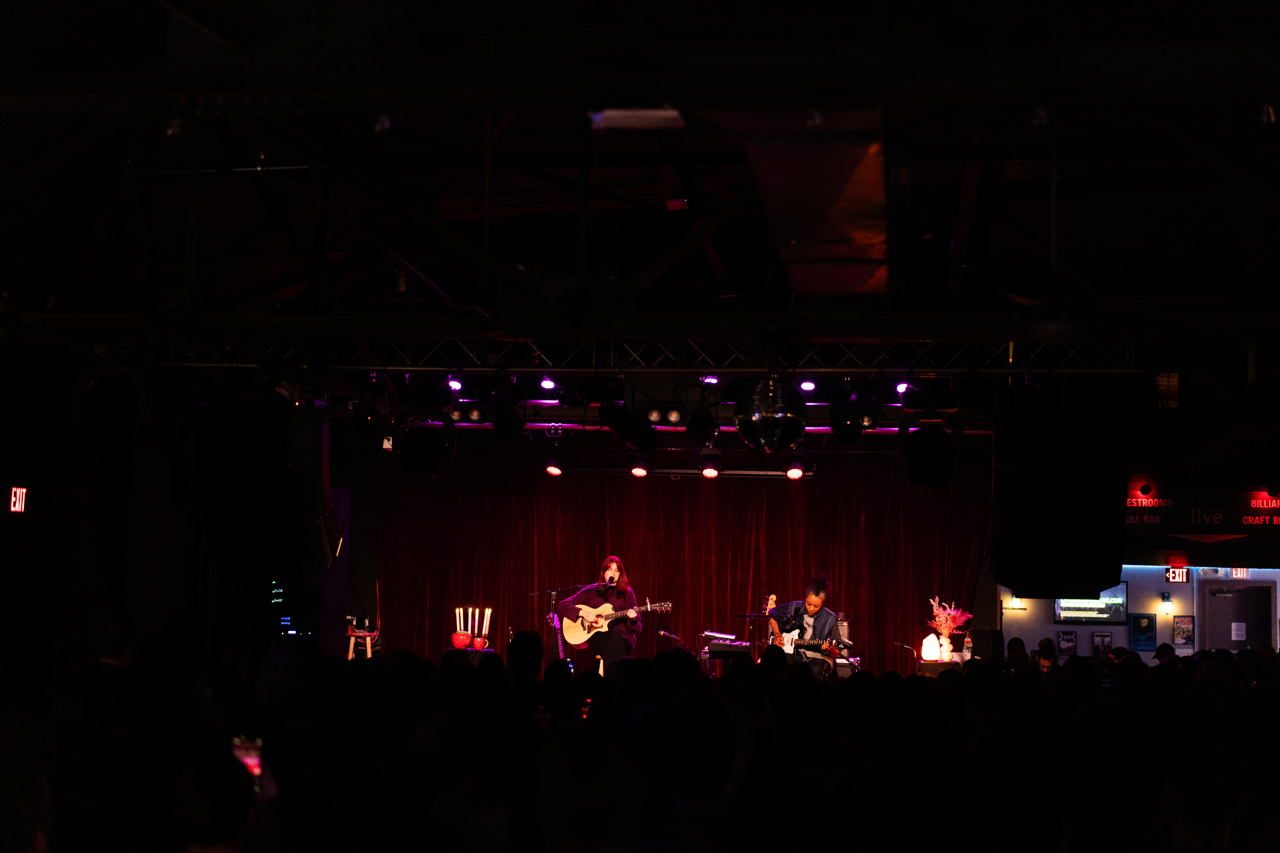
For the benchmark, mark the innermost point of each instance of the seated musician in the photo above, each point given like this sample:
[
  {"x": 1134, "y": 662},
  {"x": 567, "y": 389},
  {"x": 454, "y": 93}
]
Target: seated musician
[
  {"x": 614, "y": 588},
  {"x": 814, "y": 622}
]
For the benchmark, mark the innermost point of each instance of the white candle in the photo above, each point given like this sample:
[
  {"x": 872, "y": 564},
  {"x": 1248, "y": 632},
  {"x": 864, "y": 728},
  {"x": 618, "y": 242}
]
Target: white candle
[{"x": 487, "y": 611}]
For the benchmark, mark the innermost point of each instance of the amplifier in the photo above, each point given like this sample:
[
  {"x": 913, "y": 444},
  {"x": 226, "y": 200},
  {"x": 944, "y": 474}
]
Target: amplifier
[{"x": 723, "y": 649}]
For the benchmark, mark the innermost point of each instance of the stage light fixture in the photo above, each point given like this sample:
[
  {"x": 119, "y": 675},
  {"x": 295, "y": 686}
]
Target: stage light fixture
[
  {"x": 709, "y": 460},
  {"x": 289, "y": 390},
  {"x": 455, "y": 414},
  {"x": 928, "y": 448},
  {"x": 424, "y": 448},
  {"x": 555, "y": 467},
  {"x": 902, "y": 387},
  {"x": 807, "y": 385},
  {"x": 710, "y": 380},
  {"x": 505, "y": 416},
  {"x": 850, "y": 413},
  {"x": 635, "y": 432},
  {"x": 794, "y": 462},
  {"x": 639, "y": 466},
  {"x": 701, "y": 426},
  {"x": 455, "y": 384},
  {"x": 474, "y": 414},
  {"x": 772, "y": 416},
  {"x": 547, "y": 383},
  {"x": 654, "y": 415}
]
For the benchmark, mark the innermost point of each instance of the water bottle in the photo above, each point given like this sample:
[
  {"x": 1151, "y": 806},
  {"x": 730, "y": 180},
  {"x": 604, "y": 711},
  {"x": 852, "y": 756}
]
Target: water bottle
[{"x": 968, "y": 647}]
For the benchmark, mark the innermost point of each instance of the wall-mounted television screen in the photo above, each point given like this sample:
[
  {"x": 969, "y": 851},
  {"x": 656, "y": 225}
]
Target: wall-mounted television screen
[{"x": 1111, "y": 607}]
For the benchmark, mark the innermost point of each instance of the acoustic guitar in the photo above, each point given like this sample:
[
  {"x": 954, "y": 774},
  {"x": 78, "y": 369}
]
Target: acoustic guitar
[{"x": 578, "y": 632}]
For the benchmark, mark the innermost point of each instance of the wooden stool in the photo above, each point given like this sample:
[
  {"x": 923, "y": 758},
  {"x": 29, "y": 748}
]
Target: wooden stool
[{"x": 369, "y": 637}]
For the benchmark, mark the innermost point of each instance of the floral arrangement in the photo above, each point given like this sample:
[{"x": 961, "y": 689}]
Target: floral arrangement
[{"x": 947, "y": 618}]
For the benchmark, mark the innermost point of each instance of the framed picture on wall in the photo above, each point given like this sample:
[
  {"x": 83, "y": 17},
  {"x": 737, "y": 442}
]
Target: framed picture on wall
[
  {"x": 1142, "y": 632},
  {"x": 1101, "y": 643},
  {"x": 1066, "y": 644},
  {"x": 1184, "y": 631}
]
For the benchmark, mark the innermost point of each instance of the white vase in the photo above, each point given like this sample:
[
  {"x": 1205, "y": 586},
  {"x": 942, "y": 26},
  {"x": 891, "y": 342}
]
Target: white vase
[{"x": 945, "y": 649}]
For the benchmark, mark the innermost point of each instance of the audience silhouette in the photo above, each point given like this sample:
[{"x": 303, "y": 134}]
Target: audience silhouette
[{"x": 130, "y": 748}]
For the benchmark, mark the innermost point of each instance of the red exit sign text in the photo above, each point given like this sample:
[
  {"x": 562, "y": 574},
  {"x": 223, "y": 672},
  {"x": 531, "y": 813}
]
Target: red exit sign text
[
  {"x": 1176, "y": 574},
  {"x": 18, "y": 500}
]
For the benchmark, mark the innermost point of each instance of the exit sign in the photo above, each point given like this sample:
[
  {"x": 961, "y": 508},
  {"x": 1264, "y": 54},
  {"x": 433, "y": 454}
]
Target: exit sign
[
  {"x": 1176, "y": 574},
  {"x": 1238, "y": 573},
  {"x": 17, "y": 500}
]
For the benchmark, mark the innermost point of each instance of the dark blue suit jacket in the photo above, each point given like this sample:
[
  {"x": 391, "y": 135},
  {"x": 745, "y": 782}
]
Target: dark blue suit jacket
[{"x": 824, "y": 622}]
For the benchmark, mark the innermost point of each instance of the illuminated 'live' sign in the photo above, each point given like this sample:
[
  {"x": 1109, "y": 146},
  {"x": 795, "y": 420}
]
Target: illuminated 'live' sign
[
  {"x": 1176, "y": 574},
  {"x": 18, "y": 500}
]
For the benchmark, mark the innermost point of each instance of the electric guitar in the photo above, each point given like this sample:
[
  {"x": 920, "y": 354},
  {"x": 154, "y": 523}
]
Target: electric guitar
[
  {"x": 577, "y": 632},
  {"x": 791, "y": 641},
  {"x": 790, "y": 627}
]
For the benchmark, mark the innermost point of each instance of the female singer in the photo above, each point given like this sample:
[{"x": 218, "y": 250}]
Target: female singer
[{"x": 619, "y": 640}]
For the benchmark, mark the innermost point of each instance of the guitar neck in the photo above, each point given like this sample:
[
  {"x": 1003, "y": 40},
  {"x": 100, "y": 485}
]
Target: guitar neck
[
  {"x": 814, "y": 644},
  {"x": 622, "y": 613}
]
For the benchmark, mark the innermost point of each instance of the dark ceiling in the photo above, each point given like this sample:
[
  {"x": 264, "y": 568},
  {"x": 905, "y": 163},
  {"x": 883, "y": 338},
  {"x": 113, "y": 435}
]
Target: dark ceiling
[{"x": 946, "y": 189}]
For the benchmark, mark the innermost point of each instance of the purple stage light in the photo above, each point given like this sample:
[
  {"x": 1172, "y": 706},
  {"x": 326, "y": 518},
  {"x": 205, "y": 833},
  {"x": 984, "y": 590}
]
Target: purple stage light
[
  {"x": 710, "y": 380},
  {"x": 902, "y": 386},
  {"x": 455, "y": 384},
  {"x": 807, "y": 385},
  {"x": 547, "y": 383}
]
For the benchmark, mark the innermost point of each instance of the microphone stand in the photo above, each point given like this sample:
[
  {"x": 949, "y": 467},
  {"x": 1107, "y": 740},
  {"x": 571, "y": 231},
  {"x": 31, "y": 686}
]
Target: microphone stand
[
  {"x": 911, "y": 649},
  {"x": 573, "y": 590},
  {"x": 679, "y": 641},
  {"x": 556, "y": 592}
]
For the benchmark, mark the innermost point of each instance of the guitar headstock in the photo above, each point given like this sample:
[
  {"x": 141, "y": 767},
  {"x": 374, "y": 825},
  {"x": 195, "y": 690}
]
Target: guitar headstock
[
  {"x": 771, "y": 603},
  {"x": 661, "y": 607}
]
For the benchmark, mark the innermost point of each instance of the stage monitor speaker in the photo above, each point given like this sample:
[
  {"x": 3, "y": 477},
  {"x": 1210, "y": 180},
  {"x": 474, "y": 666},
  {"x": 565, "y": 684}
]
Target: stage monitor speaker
[{"x": 1060, "y": 476}]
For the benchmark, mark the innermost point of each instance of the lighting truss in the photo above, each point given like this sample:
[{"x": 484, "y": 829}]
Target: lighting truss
[{"x": 672, "y": 357}]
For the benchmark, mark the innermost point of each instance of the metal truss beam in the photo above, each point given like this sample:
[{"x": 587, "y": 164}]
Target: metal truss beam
[{"x": 661, "y": 357}]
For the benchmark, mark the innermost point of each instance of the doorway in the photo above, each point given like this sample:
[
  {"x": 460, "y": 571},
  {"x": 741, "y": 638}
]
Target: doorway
[{"x": 1237, "y": 615}]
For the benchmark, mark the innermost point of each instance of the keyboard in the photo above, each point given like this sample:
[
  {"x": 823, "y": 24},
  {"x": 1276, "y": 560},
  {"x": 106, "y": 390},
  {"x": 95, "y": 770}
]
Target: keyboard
[{"x": 722, "y": 649}]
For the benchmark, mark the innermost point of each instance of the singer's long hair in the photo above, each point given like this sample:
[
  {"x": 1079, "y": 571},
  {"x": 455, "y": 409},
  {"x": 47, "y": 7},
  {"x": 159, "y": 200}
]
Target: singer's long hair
[{"x": 623, "y": 583}]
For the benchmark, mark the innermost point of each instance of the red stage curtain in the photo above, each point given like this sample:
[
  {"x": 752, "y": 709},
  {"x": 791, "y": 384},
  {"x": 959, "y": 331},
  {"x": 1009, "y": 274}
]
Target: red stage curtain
[{"x": 494, "y": 530}]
